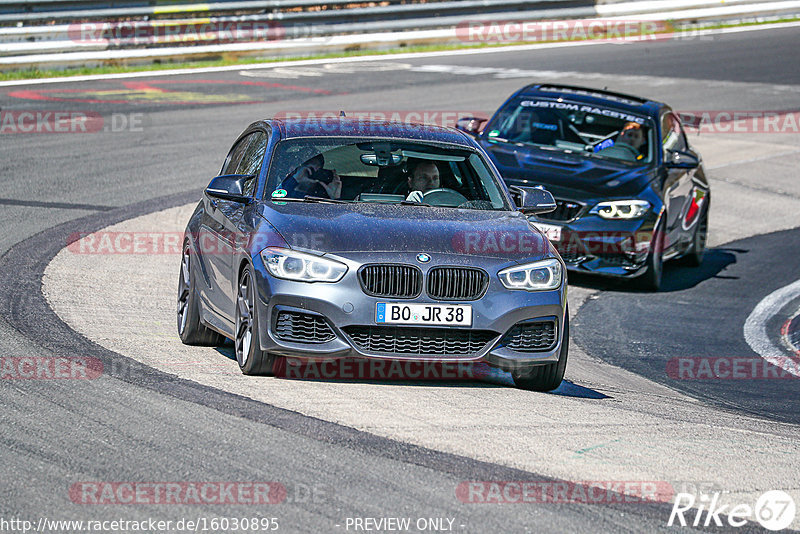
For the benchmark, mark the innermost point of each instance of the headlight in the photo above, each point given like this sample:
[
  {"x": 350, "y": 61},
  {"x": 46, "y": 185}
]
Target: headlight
[
  {"x": 537, "y": 276},
  {"x": 621, "y": 209},
  {"x": 302, "y": 267}
]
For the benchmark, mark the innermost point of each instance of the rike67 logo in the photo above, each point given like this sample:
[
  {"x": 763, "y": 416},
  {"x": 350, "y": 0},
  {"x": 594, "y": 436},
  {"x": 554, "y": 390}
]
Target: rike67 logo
[{"x": 774, "y": 510}]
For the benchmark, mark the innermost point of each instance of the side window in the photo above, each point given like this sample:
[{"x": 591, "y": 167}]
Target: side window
[
  {"x": 681, "y": 133},
  {"x": 252, "y": 157},
  {"x": 235, "y": 156},
  {"x": 672, "y": 134}
]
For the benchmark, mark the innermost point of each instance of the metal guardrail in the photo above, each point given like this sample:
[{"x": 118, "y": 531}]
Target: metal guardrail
[
  {"x": 115, "y": 32},
  {"x": 278, "y": 10},
  {"x": 285, "y": 26}
]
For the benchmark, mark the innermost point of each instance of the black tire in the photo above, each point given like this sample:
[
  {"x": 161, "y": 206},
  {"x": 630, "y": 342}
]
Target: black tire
[
  {"x": 549, "y": 376},
  {"x": 252, "y": 360},
  {"x": 650, "y": 280},
  {"x": 190, "y": 329},
  {"x": 694, "y": 257}
]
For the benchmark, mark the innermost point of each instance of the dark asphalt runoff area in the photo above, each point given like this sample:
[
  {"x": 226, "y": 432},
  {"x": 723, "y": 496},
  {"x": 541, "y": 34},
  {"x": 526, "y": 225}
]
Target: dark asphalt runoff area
[{"x": 153, "y": 427}]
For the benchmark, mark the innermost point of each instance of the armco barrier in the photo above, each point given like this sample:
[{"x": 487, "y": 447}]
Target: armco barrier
[{"x": 94, "y": 32}]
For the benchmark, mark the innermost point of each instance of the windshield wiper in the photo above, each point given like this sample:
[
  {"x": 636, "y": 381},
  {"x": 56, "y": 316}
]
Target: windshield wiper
[
  {"x": 412, "y": 203},
  {"x": 500, "y": 139},
  {"x": 309, "y": 198}
]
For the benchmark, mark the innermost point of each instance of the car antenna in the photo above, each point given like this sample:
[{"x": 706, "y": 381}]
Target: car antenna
[{"x": 341, "y": 113}]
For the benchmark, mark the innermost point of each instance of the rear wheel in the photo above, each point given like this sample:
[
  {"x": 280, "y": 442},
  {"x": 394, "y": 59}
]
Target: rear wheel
[
  {"x": 698, "y": 250},
  {"x": 252, "y": 360},
  {"x": 190, "y": 329},
  {"x": 651, "y": 279},
  {"x": 546, "y": 377}
]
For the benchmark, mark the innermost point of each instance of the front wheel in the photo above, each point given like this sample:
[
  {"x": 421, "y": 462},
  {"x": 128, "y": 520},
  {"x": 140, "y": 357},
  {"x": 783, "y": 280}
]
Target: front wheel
[
  {"x": 698, "y": 251},
  {"x": 252, "y": 360},
  {"x": 651, "y": 279},
  {"x": 546, "y": 377}
]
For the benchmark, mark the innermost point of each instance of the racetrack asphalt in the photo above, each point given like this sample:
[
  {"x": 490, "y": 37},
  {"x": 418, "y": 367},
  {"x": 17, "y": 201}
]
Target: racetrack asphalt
[{"x": 158, "y": 427}]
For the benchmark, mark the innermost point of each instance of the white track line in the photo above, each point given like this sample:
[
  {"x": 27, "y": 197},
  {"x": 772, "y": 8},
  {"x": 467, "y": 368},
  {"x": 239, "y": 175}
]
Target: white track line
[
  {"x": 355, "y": 59},
  {"x": 755, "y": 327}
]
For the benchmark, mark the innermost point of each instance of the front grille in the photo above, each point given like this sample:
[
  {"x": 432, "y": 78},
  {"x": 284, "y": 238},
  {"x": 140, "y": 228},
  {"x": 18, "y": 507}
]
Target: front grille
[
  {"x": 302, "y": 328},
  {"x": 531, "y": 337},
  {"x": 398, "y": 281},
  {"x": 571, "y": 252},
  {"x": 566, "y": 210},
  {"x": 615, "y": 259},
  {"x": 456, "y": 283},
  {"x": 419, "y": 341}
]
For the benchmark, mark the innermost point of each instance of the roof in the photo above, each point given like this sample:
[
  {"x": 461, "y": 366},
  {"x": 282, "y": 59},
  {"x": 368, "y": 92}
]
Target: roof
[
  {"x": 356, "y": 127},
  {"x": 594, "y": 96}
]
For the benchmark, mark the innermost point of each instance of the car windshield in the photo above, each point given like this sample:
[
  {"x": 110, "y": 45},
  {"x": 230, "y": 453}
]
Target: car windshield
[
  {"x": 382, "y": 171},
  {"x": 594, "y": 131}
]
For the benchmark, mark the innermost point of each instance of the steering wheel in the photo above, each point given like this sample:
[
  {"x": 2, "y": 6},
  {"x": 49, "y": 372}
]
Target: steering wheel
[
  {"x": 621, "y": 151},
  {"x": 632, "y": 150},
  {"x": 443, "y": 197}
]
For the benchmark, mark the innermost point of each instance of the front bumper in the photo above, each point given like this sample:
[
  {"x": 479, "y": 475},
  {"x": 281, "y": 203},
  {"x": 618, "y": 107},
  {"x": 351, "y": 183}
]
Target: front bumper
[
  {"x": 592, "y": 244},
  {"x": 344, "y": 306}
]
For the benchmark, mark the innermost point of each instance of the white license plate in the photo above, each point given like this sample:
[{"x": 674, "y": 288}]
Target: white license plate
[
  {"x": 550, "y": 231},
  {"x": 438, "y": 314}
]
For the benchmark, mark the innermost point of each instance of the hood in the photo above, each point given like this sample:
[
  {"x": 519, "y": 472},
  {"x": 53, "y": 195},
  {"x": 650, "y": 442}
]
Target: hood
[
  {"x": 571, "y": 175},
  {"x": 365, "y": 227}
]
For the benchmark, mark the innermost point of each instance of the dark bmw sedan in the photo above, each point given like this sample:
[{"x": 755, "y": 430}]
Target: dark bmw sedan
[
  {"x": 354, "y": 239},
  {"x": 631, "y": 191}
]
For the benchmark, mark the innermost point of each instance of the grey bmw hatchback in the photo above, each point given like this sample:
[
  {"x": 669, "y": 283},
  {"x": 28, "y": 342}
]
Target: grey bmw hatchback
[{"x": 345, "y": 238}]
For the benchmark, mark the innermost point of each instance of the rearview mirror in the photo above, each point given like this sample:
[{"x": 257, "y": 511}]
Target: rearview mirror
[
  {"x": 230, "y": 187},
  {"x": 378, "y": 160},
  {"x": 533, "y": 200},
  {"x": 470, "y": 125},
  {"x": 677, "y": 159}
]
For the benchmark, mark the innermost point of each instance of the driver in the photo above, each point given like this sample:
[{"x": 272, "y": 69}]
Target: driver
[
  {"x": 632, "y": 137},
  {"x": 424, "y": 177}
]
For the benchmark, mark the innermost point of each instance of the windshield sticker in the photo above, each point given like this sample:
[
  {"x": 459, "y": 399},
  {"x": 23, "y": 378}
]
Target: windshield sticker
[
  {"x": 279, "y": 193},
  {"x": 549, "y": 104},
  {"x": 543, "y": 126},
  {"x": 494, "y": 133}
]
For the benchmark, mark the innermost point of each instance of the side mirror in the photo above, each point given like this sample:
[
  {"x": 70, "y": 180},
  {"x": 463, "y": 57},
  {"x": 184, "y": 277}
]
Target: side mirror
[
  {"x": 230, "y": 187},
  {"x": 533, "y": 200},
  {"x": 471, "y": 125},
  {"x": 677, "y": 159}
]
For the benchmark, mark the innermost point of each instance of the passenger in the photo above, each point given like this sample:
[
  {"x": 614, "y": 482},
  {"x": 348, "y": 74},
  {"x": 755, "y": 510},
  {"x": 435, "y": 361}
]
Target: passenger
[
  {"x": 423, "y": 177},
  {"x": 310, "y": 179}
]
